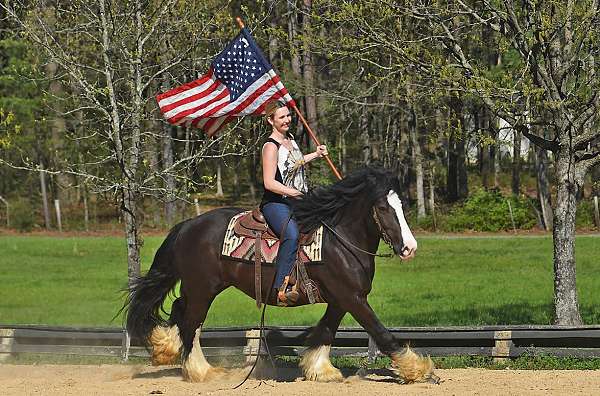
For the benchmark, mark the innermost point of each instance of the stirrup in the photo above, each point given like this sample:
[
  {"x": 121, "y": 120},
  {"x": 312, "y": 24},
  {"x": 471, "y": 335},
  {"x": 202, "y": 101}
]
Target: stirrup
[{"x": 287, "y": 296}]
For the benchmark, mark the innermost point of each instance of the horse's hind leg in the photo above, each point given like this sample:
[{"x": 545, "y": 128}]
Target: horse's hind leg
[
  {"x": 195, "y": 367},
  {"x": 315, "y": 362},
  {"x": 166, "y": 343}
]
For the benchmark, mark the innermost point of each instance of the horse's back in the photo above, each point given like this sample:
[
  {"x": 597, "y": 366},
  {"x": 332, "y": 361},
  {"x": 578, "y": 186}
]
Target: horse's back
[{"x": 209, "y": 225}]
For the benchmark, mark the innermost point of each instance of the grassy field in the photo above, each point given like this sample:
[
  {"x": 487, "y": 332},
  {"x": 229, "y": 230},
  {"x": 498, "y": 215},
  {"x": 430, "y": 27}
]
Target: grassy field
[{"x": 465, "y": 281}]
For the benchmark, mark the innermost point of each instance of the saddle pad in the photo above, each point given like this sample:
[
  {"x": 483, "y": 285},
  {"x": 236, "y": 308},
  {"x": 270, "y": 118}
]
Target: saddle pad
[{"x": 242, "y": 248}]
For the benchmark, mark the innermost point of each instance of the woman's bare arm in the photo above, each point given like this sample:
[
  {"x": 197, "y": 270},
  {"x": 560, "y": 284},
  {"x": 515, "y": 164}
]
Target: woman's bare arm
[
  {"x": 269, "y": 168},
  {"x": 320, "y": 152}
]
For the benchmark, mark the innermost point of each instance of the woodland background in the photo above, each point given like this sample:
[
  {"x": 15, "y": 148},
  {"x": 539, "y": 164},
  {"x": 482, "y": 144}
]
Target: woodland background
[{"x": 487, "y": 110}]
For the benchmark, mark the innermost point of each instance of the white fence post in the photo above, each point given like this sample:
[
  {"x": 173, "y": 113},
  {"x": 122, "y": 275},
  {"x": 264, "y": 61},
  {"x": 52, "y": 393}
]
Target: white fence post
[
  {"x": 58, "y": 217},
  {"x": 512, "y": 219},
  {"x": 125, "y": 344},
  {"x": 197, "y": 205}
]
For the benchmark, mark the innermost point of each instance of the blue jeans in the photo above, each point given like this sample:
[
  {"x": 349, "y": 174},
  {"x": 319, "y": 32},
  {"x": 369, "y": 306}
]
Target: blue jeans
[{"x": 276, "y": 214}]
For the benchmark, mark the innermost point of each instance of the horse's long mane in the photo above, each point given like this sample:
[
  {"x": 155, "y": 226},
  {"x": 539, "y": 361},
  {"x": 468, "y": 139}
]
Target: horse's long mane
[{"x": 327, "y": 203}]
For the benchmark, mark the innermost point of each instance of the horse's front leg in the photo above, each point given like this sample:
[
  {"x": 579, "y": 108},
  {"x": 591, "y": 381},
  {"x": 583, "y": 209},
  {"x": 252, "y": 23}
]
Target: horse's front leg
[
  {"x": 409, "y": 366},
  {"x": 315, "y": 362}
]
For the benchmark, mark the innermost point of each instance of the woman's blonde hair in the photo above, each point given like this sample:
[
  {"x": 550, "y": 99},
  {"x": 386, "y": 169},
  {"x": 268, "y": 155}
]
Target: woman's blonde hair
[{"x": 272, "y": 106}]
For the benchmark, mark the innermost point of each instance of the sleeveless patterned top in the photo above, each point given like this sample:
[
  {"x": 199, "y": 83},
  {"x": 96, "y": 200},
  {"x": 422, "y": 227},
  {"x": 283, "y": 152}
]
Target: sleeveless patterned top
[{"x": 290, "y": 171}]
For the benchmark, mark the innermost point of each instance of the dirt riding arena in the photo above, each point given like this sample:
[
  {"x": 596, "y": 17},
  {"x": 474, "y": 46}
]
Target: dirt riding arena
[{"x": 146, "y": 380}]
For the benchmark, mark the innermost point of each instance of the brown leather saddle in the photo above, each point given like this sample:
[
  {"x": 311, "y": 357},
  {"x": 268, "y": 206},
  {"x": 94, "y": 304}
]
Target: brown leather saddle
[{"x": 254, "y": 225}]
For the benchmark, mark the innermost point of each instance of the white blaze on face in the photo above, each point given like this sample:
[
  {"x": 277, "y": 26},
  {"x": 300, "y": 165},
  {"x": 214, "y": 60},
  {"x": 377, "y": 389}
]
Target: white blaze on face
[{"x": 409, "y": 240}]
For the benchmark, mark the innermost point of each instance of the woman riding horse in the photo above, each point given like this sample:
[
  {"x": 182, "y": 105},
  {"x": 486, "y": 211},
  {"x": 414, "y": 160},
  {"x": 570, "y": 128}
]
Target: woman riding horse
[
  {"x": 357, "y": 212},
  {"x": 283, "y": 179}
]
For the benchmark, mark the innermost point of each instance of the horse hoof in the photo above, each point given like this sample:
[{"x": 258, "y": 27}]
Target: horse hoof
[
  {"x": 328, "y": 374},
  {"x": 317, "y": 367},
  {"x": 203, "y": 374}
]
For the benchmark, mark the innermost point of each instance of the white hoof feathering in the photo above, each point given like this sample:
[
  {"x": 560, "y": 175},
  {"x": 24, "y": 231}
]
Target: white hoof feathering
[
  {"x": 411, "y": 366},
  {"x": 165, "y": 345},
  {"x": 195, "y": 367},
  {"x": 317, "y": 367}
]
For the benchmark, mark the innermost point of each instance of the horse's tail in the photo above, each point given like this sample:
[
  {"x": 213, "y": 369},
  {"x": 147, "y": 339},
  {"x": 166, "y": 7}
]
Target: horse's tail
[{"x": 147, "y": 294}]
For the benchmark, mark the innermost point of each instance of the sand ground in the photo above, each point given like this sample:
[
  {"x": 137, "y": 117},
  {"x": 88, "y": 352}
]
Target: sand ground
[{"x": 147, "y": 380}]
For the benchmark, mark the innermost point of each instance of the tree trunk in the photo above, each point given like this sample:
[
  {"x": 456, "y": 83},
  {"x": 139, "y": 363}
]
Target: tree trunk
[
  {"x": 310, "y": 100},
  {"x": 134, "y": 243},
  {"x": 463, "y": 181},
  {"x": 169, "y": 177},
  {"x": 452, "y": 173},
  {"x": 516, "y": 163},
  {"x": 485, "y": 162},
  {"x": 273, "y": 43},
  {"x": 219, "y": 181},
  {"x": 236, "y": 186},
  {"x": 566, "y": 306},
  {"x": 57, "y": 122},
  {"x": 86, "y": 209},
  {"x": 432, "y": 194},
  {"x": 494, "y": 151},
  {"x": 342, "y": 149},
  {"x": 292, "y": 34},
  {"x": 44, "y": 197},
  {"x": 131, "y": 162},
  {"x": 404, "y": 161},
  {"x": 292, "y": 22},
  {"x": 417, "y": 161},
  {"x": 365, "y": 140},
  {"x": 543, "y": 190},
  {"x": 596, "y": 181}
]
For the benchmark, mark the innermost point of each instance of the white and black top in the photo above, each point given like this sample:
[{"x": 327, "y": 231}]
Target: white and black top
[{"x": 290, "y": 171}]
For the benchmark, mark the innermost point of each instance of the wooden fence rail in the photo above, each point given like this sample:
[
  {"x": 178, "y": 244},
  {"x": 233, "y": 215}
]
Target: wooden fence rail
[{"x": 494, "y": 341}]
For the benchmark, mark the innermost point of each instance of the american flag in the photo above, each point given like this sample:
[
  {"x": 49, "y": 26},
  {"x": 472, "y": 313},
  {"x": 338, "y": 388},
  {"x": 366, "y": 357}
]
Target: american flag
[{"x": 239, "y": 82}]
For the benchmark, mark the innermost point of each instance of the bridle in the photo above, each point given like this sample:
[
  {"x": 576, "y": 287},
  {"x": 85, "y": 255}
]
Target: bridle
[{"x": 382, "y": 231}]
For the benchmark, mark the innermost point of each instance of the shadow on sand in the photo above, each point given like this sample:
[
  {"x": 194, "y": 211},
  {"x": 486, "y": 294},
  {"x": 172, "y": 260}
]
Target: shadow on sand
[{"x": 280, "y": 373}]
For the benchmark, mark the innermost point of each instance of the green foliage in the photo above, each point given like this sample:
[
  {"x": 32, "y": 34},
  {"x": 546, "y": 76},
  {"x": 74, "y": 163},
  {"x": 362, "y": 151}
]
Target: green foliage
[
  {"x": 521, "y": 363},
  {"x": 585, "y": 214},
  {"x": 488, "y": 210},
  {"x": 22, "y": 217}
]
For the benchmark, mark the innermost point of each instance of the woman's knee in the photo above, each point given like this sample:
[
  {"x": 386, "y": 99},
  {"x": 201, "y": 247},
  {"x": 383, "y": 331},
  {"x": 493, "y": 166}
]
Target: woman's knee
[{"x": 292, "y": 233}]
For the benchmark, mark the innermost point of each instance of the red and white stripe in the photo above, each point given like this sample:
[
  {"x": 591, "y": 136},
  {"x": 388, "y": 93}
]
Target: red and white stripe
[{"x": 205, "y": 103}]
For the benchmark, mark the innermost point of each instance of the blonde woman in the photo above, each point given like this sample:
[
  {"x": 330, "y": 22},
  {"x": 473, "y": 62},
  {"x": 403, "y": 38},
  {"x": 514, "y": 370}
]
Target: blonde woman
[{"x": 283, "y": 179}]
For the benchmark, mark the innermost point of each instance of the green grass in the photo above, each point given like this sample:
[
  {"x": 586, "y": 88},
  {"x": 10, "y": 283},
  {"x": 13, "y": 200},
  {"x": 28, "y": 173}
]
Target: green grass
[{"x": 473, "y": 281}]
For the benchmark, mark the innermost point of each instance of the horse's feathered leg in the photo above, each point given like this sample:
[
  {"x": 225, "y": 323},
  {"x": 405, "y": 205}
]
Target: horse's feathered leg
[
  {"x": 165, "y": 340},
  {"x": 409, "y": 366},
  {"x": 195, "y": 367},
  {"x": 315, "y": 362}
]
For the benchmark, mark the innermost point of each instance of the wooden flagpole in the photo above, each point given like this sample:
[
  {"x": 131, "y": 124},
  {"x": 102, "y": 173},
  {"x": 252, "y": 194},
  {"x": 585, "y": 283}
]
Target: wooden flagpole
[{"x": 312, "y": 135}]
